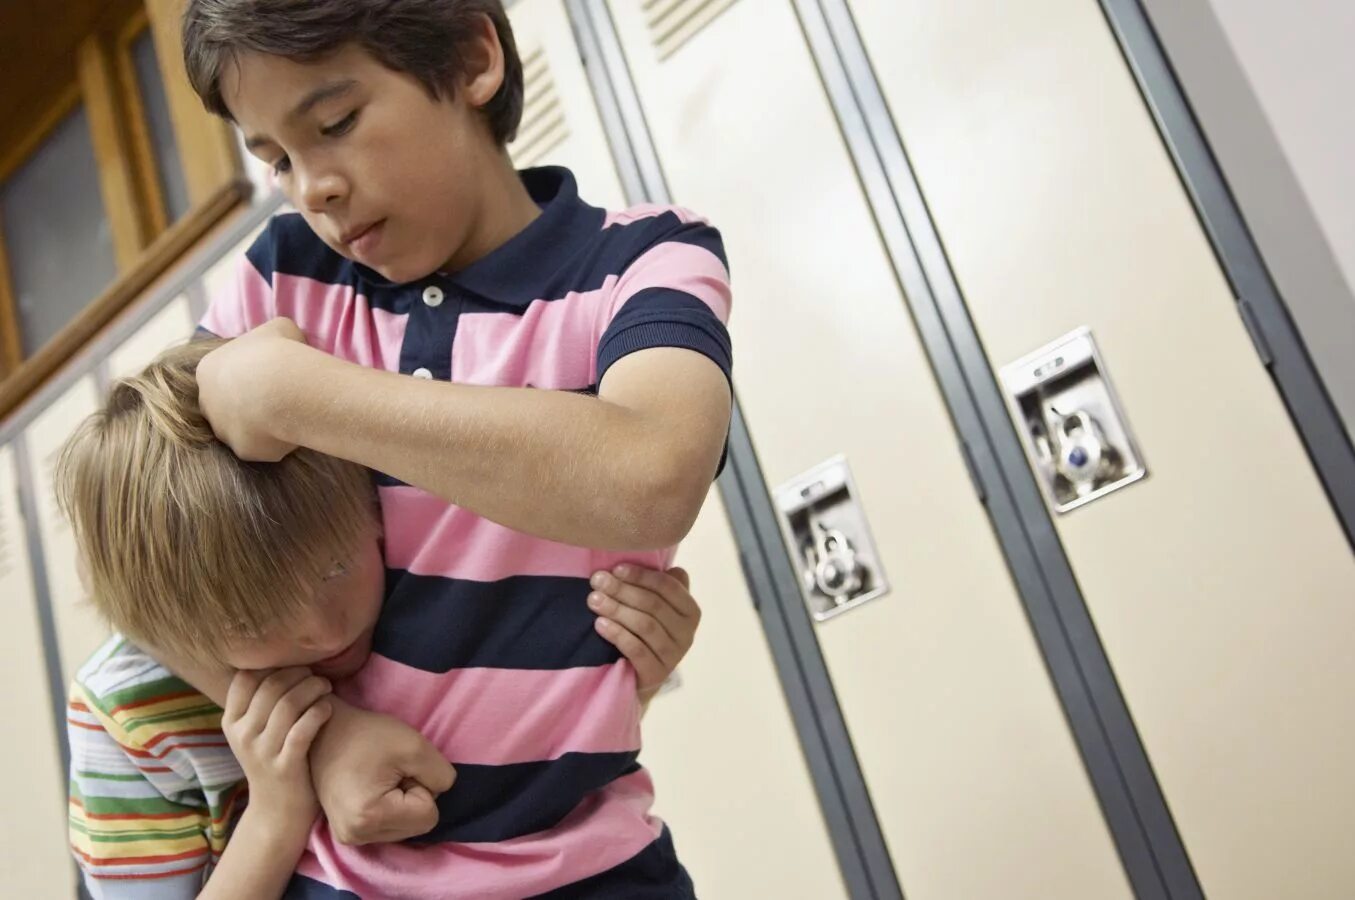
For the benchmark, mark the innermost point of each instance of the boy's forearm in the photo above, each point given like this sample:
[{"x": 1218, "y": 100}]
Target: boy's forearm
[
  {"x": 558, "y": 465},
  {"x": 258, "y": 862}
]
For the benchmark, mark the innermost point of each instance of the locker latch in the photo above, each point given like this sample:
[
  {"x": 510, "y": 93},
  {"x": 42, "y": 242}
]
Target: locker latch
[
  {"x": 829, "y": 541},
  {"x": 1072, "y": 425}
]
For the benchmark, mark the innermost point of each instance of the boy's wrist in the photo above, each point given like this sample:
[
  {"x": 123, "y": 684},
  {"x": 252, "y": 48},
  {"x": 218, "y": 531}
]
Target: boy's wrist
[{"x": 274, "y": 822}]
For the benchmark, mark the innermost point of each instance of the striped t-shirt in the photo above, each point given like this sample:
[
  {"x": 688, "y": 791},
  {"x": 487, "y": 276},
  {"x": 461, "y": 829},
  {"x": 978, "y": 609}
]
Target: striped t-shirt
[
  {"x": 154, "y": 787},
  {"x": 485, "y": 643}
]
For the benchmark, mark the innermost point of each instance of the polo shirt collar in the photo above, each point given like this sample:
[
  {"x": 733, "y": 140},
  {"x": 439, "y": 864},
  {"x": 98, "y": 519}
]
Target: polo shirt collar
[{"x": 521, "y": 270}]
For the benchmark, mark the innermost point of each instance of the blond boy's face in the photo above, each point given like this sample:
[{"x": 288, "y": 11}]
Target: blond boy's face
[
  {"x": 333, "y": 636},
  {"x": 383, "y": 173}
]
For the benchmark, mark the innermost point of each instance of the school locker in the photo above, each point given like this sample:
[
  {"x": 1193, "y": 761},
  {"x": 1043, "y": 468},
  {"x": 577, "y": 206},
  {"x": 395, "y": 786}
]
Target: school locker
[
  {"x": 33, "y": 858},
  {"x": 79, "y": 630},
  {"x": 728, "y": 772},
  {"x": 964, "y": 748},
  {"x": 1220, "y": 584}
]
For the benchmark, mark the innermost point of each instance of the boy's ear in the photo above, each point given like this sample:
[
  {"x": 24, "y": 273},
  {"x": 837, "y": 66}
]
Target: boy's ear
[{"x": 483, "y": 73}]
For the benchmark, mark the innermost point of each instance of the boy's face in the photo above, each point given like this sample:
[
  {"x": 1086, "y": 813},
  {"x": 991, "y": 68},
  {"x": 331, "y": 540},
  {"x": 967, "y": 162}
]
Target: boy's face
[
  {"x": 334, "y": 634},
  {"x": 383, "y": 173}
]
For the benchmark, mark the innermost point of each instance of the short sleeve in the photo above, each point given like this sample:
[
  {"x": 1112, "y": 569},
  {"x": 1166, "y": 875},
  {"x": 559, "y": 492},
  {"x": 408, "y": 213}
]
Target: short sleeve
[
  {"x": 675, "y": 293},
  {"x": 130, "y": 841}
]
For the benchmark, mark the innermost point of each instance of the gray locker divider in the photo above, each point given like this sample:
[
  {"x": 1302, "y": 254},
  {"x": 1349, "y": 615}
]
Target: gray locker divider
[
  {"x": 840, "y": 786},
  {"x": 1150, "y": 848},
  {"x": 51, "y": 653},
  {"x": 1259, "y": 303}
]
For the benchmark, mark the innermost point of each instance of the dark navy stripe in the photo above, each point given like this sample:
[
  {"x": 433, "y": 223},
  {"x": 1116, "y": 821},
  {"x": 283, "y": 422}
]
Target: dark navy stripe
[
  {"x": 289, "y": 246},
  {"x": 664, "y": 317},
  {"x": 604, "y": 253},
  {"x": 525, "y": 622},
  {"x": 652, "y": 874},
  {"x": 303, "y": 888},
  {"x": 499, "y": 803}
]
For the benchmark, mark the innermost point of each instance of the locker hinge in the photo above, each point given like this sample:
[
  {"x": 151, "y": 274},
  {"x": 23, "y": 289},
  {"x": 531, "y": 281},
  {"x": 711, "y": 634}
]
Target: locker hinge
[
  {"x": 1258, "y": 335},
  {"x": 968, "y": 456}
]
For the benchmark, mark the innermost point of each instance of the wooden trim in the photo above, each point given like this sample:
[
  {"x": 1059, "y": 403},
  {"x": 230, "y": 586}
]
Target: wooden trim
[
  {"x": 162, "y": 255},
  {"x": 154, "y": 207},
  {"x": 206, "y": 143},
  {"x": 15, "y": 155},
  {"x": 113, "y": 151},
  {"x": 11, "y": 343}
]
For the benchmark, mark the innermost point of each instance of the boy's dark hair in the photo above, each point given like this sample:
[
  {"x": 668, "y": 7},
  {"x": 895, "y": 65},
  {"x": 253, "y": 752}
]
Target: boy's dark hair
[{"x": 420, "y": 37}]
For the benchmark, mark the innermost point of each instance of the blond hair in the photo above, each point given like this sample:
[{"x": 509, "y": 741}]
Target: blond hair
[{"x": 187, "y": 547}]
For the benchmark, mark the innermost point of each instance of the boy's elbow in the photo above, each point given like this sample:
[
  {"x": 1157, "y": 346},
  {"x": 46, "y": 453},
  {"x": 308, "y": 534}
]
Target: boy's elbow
[{"x": 664, "y": 509}]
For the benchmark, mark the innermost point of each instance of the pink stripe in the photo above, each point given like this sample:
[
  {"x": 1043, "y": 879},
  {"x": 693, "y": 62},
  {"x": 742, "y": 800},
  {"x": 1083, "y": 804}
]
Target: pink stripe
[
  {"x": 552, "y": 345},
  {"x": 684, "y": 267},
  {"x": 649, "y": 211},
  {"x": 608, "y": 828},
  {"x": 498, "y": 717},
  {"x": 428, "y": 536},
  {"x": 340, "y": 321},
  {"x": 246, "y": 304}
]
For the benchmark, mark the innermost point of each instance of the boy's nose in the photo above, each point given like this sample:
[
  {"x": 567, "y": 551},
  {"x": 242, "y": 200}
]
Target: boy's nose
[{"x": 321, "y": 191}]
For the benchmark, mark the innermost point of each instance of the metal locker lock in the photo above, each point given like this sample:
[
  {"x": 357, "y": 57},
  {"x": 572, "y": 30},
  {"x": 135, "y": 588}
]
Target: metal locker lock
[
  {"x": 1074, "y": 429},
  {"x": 826, "y": 532}
]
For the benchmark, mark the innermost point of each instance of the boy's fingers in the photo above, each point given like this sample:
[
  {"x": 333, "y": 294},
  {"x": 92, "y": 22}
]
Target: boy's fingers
[
  {"x": 270, "y": 692},
  {"x": 650, "y": 669},
  {"x": 301, "y": 735},
  {"x": 663, "y": 637},
  {"x": 430, "y": 769},
  {"x": 241, "y": 691},
  {"x": 670, "y": 589},
  {"x": 291, "y": 708}
]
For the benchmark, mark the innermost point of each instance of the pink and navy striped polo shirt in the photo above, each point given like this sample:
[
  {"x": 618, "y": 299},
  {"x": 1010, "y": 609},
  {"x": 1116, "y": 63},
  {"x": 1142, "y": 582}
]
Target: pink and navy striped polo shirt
[{"x": 485, "y": 642}]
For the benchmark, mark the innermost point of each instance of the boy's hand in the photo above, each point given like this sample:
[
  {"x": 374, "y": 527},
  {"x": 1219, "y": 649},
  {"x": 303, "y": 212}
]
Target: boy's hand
[
  {"x": 376, "y": 777},
  {"x": 649, "y": 616},
  {"x": 270, "y": 721},
  {"x": 236, "y": 384}
]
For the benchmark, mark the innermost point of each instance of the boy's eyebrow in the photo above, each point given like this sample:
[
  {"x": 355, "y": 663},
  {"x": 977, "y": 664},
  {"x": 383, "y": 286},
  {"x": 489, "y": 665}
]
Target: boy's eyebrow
[{"x": 310, "y": 101}]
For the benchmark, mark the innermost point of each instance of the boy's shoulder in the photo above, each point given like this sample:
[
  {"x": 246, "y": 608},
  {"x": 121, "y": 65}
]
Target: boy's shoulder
[
  {"x": 149, "y": 711},
  {"x": 121, "y": 673}
]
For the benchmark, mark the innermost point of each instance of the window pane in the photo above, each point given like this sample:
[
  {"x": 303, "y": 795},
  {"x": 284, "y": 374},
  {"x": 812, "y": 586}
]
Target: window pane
[
  {"x": 168, "y": 167},
  {"x": 56, "y": 232}
]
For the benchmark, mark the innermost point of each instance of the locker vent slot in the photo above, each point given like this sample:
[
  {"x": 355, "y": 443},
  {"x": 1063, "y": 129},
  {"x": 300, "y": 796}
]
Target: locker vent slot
[
  {"x": 673, "y": 23},
  {"x": 543, "y": 125}
]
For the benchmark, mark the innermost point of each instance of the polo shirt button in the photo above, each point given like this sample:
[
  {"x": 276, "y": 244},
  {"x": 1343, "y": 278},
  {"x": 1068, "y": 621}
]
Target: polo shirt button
[
  {"x": 432, "y": 295},
  {"x": 422, "y": 373}
]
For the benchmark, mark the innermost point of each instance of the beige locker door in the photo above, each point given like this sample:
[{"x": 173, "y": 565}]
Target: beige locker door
[
  {"x": 965, "y": 750},
  {"x": 79, "y": 630},
  {"x": 34, "y": 861},
  {"x": 1221, "y": 586},
  {"x": 171, "y": 325},
  {"x": 729, "y": 776}
]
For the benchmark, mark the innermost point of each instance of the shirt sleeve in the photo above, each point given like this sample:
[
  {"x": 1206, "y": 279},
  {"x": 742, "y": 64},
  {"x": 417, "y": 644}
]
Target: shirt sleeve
[
  {"x": 130, "y": 840},
  {"x": 673, "y": 294}
]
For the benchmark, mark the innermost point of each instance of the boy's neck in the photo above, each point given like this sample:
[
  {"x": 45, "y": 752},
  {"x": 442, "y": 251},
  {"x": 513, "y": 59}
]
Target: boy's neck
[{"x": 506, "y": 210}]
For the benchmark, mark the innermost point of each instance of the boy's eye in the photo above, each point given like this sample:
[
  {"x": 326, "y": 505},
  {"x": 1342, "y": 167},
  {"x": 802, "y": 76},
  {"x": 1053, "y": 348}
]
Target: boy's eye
[
  {"x": 282, "y": 166},
  {"x": 343, "y": 126}
]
